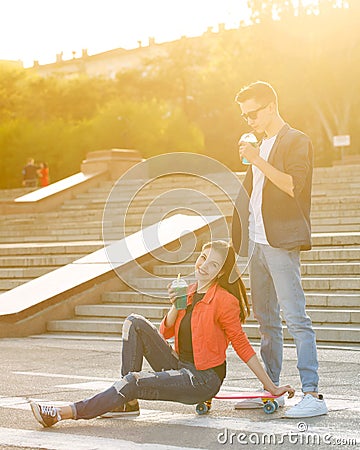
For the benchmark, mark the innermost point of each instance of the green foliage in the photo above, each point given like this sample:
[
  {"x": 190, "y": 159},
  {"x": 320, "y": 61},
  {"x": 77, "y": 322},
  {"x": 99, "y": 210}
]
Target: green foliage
[{"x": 150, "y": 126}]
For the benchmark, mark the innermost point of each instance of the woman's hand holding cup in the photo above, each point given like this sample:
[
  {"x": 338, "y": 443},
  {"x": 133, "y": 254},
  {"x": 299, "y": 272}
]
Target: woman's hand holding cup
[
  {"x": 172, "y": 294},
  {"x": 177, "y": 293}
]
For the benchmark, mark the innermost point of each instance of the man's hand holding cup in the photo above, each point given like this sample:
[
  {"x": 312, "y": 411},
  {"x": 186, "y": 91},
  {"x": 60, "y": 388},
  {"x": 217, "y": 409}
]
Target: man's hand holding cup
[{"x": 248, "y": 148}]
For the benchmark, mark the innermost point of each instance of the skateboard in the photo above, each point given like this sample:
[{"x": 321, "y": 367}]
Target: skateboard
[{"x": 269, "y": 400}]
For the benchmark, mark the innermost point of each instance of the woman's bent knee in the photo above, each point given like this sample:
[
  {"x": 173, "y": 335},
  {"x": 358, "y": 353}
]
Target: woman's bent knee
[{"x": 133, "y": 319}]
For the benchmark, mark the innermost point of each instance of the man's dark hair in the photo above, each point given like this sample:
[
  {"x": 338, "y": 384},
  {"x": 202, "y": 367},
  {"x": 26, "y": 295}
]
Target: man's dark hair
[{"x": 262, "y": 92}]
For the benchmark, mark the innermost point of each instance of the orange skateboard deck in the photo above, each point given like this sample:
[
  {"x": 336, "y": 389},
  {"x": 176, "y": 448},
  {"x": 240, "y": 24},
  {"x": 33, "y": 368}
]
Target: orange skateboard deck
[
  {"x": 269, "y": 400},
  {"x": 222, "y": 395}
]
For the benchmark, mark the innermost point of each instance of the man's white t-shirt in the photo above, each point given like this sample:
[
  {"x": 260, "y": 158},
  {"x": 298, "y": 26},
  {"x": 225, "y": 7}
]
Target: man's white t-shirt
[{"x": 256, "y": 223}]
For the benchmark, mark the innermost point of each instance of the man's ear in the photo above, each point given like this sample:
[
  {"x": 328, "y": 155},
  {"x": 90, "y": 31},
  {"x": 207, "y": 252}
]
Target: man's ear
[{"x": 272, "y": 107}]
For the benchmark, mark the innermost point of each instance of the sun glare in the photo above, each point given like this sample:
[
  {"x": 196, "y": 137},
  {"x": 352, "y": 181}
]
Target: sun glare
[{"x": 39, "y": 29}]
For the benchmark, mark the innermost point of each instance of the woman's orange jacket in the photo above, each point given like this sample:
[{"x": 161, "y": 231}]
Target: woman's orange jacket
[{"x": 215, "y": 322}]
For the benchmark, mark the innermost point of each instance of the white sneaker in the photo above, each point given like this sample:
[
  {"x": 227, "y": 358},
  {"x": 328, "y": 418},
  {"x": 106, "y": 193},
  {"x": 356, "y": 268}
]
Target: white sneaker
[
  {"x": 309, "y": 406},
  {"x": 255, "y": 403}
]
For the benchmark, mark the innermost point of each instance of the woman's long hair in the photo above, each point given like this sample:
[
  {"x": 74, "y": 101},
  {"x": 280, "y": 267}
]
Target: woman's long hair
[{"x": 231, "y": 278}]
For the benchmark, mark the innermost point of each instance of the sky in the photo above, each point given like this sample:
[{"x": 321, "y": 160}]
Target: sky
[{"x": 39, "y": 29}]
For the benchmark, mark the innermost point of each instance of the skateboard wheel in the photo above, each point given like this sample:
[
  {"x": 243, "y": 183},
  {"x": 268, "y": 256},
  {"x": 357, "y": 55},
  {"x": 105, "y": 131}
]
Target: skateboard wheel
[
  {"x": 269, "y": 407},
  {"x": 201, "y": 408},
  {"x": 276, "y": 405}
]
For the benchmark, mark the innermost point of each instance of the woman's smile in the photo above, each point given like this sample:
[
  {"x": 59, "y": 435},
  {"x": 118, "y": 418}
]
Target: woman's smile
[
  {"x": 202, "y": 271},
  {"x": 207, "y": 267}
]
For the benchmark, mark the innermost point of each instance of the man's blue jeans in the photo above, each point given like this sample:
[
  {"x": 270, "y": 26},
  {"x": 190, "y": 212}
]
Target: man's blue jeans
[
  {"x": 171, "y": 380},
  {"x": 275, "y": 282}
]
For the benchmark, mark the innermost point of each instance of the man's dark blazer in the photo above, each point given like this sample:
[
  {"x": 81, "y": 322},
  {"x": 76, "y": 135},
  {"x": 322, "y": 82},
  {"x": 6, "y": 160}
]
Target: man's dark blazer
[{"x": 286, "y": 219}]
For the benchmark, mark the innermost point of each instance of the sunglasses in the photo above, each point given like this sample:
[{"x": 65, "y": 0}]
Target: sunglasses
[{"x": 253, "y": 114}]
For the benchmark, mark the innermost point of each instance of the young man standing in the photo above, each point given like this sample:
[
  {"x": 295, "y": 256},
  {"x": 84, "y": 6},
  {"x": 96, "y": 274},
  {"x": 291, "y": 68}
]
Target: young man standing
[{"x": 271, "y": 229}]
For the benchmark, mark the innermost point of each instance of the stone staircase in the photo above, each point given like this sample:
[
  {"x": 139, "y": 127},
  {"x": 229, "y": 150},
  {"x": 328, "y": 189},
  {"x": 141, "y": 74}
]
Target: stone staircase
[
  {"x": 30, "y": 242},
  {"x": 332, "y": 291},
  {"x": 34, "y": 244}
]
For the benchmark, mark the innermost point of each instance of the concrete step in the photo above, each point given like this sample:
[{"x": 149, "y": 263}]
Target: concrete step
[
  {"x": 319, "y": 214},
  {"x": 331, "y": 204},
  {"x": 313, "y": 299},
  {"x": 170, "y": 193},
  {"x": 336, "y": 220},
  {"x": 47, "y": 232},
  {"x": 54, "y": 238},
  {"x": 150, "y": 311},
  {"x": 50, "y": 248},
  {"x": 136, "y": 218},
  {"x": 336, "y": 199},
  {"x": 331, "y": 254},
  {"x": 334, "y": 228},
  {"x": 54, "y": 218},
  {"x": 327, "y": 283},
  {"x": 18, "y": 267},
  {"x": 6, "y": 284},
  {"x": 319, "y": 192},
  {"x": 137, "y": 206},
  {"x": 336, "y": 240},
  {"x": 353, "y": 181},
  {"x": 136, "y": 298},
  {"x": 35, "y": 233},
  {"x": 50, "y": 232},
  {"x": 37, "y": 261},
  {"x": 67, "y": 238},
  {"x": 334, "y": 175},
  {"x": 24, "y": 272},
  {"x": 160, "y": 182},
  {"x": 331, "y": 179},
  {"x": 157, "y": 312},
  {"x": 88, "y": 325},
  {"x": 8, "y": 227},
  {"x": 324, "y": 333},
  {"x": 352, "y": 184},
  {"x": 50, "y": 228},
  {"x": 82, "y": 337},
  {"x": 319, "y": 268},
  {"x": 334, "y": 316},
  {"x": 11, "y": 194},
  {"x": 137, "y": 213},
  {"x": 322, "y": 268}
]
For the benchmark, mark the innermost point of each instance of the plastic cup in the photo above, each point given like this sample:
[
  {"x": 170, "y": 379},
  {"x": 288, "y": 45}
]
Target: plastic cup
[
  {"x": 180, "y": 287},
  {"x": 251, "y": 138}
]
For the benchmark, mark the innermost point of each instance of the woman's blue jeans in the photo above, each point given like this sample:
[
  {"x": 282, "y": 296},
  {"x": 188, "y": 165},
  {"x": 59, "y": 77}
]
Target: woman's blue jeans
[
  {"x": 275, "y": 282},
  {"x": 171, "y": 379}
]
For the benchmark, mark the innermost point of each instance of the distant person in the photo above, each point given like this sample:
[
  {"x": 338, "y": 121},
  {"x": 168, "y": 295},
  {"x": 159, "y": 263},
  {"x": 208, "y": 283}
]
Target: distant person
[
  {"x": 43, "y": 174},
  {"x": 30, "y": 174},
  {"x": 274, "y": 227}
]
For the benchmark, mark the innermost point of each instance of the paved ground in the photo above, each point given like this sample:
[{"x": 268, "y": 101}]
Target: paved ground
[{"x": 69, "y": 370}]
